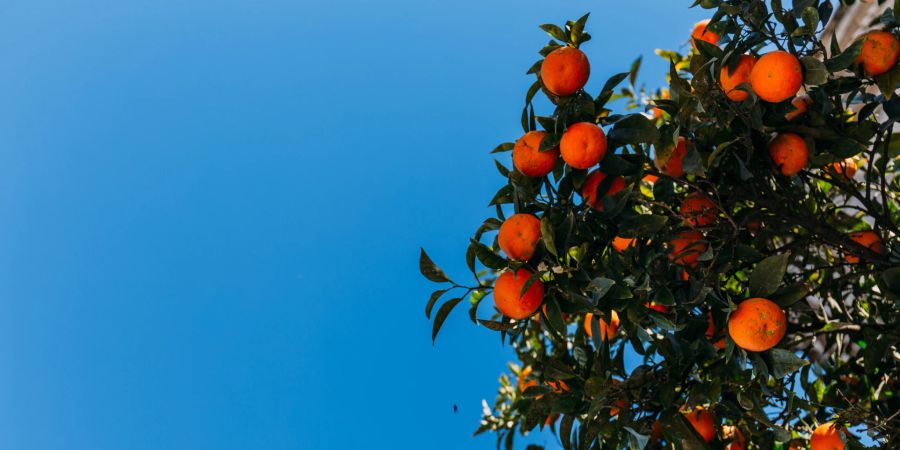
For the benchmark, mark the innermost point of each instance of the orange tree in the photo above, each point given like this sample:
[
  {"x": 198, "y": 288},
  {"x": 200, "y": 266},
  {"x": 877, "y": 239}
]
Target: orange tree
[{"x": 719, "y": 273}]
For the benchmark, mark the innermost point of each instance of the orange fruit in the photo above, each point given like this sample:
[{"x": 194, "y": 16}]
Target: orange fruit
[
  {"x": 565, "y": 71},
  {"x": 711, "y": 333},
  {"x": 776, "y": 76},
  {"x": 700, "y": 32},
  {"x": 529, "y": 160},
  {"x": 669, "y": 162},
  {"x": 826, "y": 437},
  {"x": 519, "y": 235},
  {"x": 789, "y": 153},
  {"x": 846, "y": 167},
  {"x": 686, "y": 247},
  {"x": 658, "y": 113},
  {"x": 650, "y": 178},
  {"x": 879, "y": 52},
  {"x": 801, "y": 104},
  {"x": 757, "y": 324},
  {"x": 731, "y": 79},
  {"x": 507, "y": 298},
  {"x": 702, "y": 421},
  {"x": 607, "y": 330},
  {"x": 621, "y": 244},
  {"x": 589, "y": 188},
  {"x": 869, "y": 239},
  {"x": 582, "y": 145},
  {"x": 698, "y": 210},
  {"x": 657, "y": 307},
  {"x": 558, "y": 386},
  {"x": 737, "y": 439}
]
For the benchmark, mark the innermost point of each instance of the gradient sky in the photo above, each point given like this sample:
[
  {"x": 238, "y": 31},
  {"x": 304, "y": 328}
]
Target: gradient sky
[{"x": 210, "y": 213}]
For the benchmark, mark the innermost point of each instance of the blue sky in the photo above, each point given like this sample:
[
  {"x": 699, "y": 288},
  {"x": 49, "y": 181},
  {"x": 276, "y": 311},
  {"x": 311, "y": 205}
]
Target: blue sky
[{"x": 210, "y": 213}]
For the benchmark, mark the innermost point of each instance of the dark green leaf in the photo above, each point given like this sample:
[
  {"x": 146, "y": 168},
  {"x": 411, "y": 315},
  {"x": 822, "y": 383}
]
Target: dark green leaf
[
  {"x": 845, "y": 59},
  {"x": 641, "y": 226},
  {"x": 767, "y": 275},
  {"x": 430, "y": 270},
  {"x": 432, "y": 300},
  {"x": 548, "y": 235},
  {"x": 504, "y": 147},
  {"x": 488, "y": 257},
  {"x": 442, "y": 315},
  {"x": 815, "y": 72},
  {"x": 785, "y": 362}
]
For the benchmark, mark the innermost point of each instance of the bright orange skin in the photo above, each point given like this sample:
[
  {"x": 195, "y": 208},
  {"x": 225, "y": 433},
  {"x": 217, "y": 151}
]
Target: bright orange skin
[
  {"x": 869, "y": 239},
  {"x": 565, "y": 71},
  {"x": 789, "y": 153},
  {"x": 879, "y": 52},
  {"x": 711, "y": 333},
  {"x": 607, "y": 330},
  {"x": 757, "y": 324},
  {"x": 658, "y": 113},
  {"x": 621, "y": 244},
  {"x": 826, "y": 437},
  {"x": 737, "y": 438},
  {"x": 673, "y": 167},
  {"x": 506, "y": 294},
  {"x": 698, "y": 210},
  {"x": 529, "y": 160},
  {"x": 686, "y": 247},
  {"x": 650, "y": 178},
  {"x": 776, "y": 76},
  {"x": 846, "y": 167},
  {"x": 519, "y": 235},
  {"x": 589, "y": 188},
  {"x": 558, "y": 386},
  {"x": 657, "y": 307},
  {"x": 583, "y": 145},
  {"x": 801, "y": 104},
  {"x": 702, "y": 421},
  {"x": 731, "y": 80},
  {"x": 700, "y": 32}
]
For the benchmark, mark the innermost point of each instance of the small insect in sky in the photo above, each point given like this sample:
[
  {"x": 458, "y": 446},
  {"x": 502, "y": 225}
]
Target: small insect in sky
[{"x": 455, "y": 408}]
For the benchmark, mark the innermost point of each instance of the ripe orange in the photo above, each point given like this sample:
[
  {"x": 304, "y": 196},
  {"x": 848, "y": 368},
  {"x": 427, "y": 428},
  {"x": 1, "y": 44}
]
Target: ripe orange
[
  {"x": 869, "y": 239},
  {"x": 757, "y": 324},
  {"x": 558, "y": 386},
  {"x": 589, "y": 188},
  {"x": 657, "y": 307},
  {"x": 826, "y": 437},
  {"x": 801, "y": 104},
  {"x": 529, "y": 160},
  {"x": 731, "y": 79},
  {"x": 671, "y": 165},
  {"x": 621, "y": 244},
  {"x": 583, "y": 145},
  {"x": 711, "y": 333},
  {"x": 686, "y": 247},
  {"x": 879, "y": 52},
  {"x": 702, "y": 421},
  {"x": 846, "y": 167},
  {"x": 698, "y": 210},
  {"x": 789, "y": 153},
  {"x": 506, "y": 294},
  {"x": 565, "y": 71},
  {"x": 776, "y": 76},
  {"x": 608, "y": 331},
  {"x": 519, "y": 235},
  {"x": 650, "y": 178},
  {"x": 700, "y": 32},
  {"x": 737, "y": 439}
]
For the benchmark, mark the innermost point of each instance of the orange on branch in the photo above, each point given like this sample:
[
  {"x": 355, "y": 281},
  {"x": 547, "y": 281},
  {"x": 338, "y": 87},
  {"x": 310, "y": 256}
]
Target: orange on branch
[
  {"x": 776, "y": 76},
  {"x": 702, "y": 421},
  {"x": 757, "y": 324},
  {"x": 700, "y": 32},
  {"x": 711, "y": 333},
  {"x": 589, "y": 188},
  {"x": 657, "y": 307},
  {"x": 737, "y": 438},
  {"x": 607, "y": 330},
  {"x": 730, "y": 79},
  {"x": 583, "y": 145},
  {"x": 847, "y": 168},
  {"x": 620, "y": 244},
  {"x": 529, "y": 160},
  {"x": 698, "y": 210},
  {"x": 868, "y": 239},
  {"x": 686, "y": 247},
  {"x": 826, "y": 437},
  {"x": 507, "y": 298},
  {"x": 558, "y": 386},
  {"x": 879, "y": 52},
  {"x": 519, "y": 235},
  {"x": 669, "y": 161},
  {"x": 800, "y": 104},
  {"x": 789, "y": 153},
  {"x": 565, "y": 71}
]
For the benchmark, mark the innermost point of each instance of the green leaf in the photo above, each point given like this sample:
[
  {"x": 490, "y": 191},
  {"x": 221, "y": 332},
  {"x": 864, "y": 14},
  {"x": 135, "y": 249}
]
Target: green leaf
[
  {"x": 430, "y": 270},
  {"x": 789, "y": 295},
  {"x": 785, "y": 362},
  {"x": 488, "y": 257},
  {"x": 642, "y": 226},
  {"x": 815, "y": 72},
  {"x": 600, "y": 286},
  {"x": 845, "y": 59},
  {"x": 555, "y": 32},
  {"x": 504, "y": 147},
  {"x": 888, "y": 81},
  {"x": 432, "y": 300},
  {"x": 496, "y": 326},
  {"x": 766, "y": 277},
  {"x": 441, "y": 316},
  {"x": 810, "y": 16},
  {"x": 548, "y": 235},
  {"x": 891, "y": 280},
  {"x": 634, "y": 129}
]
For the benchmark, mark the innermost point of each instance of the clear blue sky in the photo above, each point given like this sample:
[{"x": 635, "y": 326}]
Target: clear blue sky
[{"x": 210, "y": 213}]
